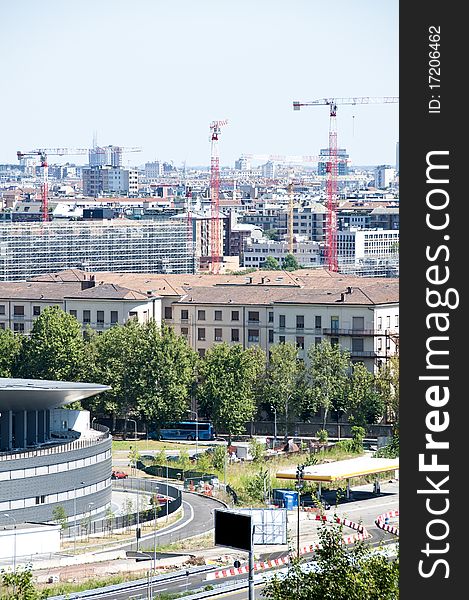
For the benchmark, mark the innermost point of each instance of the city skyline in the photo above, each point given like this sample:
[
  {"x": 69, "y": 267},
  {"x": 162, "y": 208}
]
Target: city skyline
[{"x": 151, "y": 75}]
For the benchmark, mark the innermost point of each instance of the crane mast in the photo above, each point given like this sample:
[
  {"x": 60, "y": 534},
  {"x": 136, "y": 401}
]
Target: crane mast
[
  {"x": 332, "y": 166},
  {"x": 215, "y": 241}
]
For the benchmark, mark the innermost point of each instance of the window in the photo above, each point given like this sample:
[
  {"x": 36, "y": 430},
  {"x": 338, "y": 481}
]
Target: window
[
  {"x": 317, "y": 341},
  {"x": 396, "y": 321},
  {"x": 73, "y": 313},
  {"x": 184, "y": 315},
  {"x": 253, "y": 316},
  {"x": 271, "y": 336},
  {"x": 133, "y": 314},
  {"x": 201, "y": 352},
  {"x": 380, "y": 322},
  {"x": 2, "y": 325},
  {"x": 281, "y": 321},
  {"x": 335, "y": 323},
  {"x": 334, "y": 341},
  {"x": 18, "y": 327},
  {"x": 218, "y": 315},
  {"x": 168, "y": 312},
  {"x": 86, "y": 316},
  {"x": 271, "y": 317},
  {"x": 388, "y": 322},
  {"x": 281, "y": 339},
  {"x": 357, "y": 345},
  {"x": 300, "y": 322},
  {"x": 114, "y": 317},
  {"x": 18, "y": 311},
  {"x": 36, "y": 311},
  {"x": 235, "y": 315},
  {"x": 201, "y": 334},
  {"x": 317, "y": 322},
  {"x": 218, "y": 335},
  {"x": 201, "y": 315},
  {"x": 380, "y": 344},
  {"x": 235, "y": 335},
  {"x": 300, "y": 342},
  {"x": 184, "y": 331},
  {"x": 2, "y": 309},
  {"x": 358, "y": 323},
  {"x": 100, "y": 317},
  {"x": 253, "y": 335}
]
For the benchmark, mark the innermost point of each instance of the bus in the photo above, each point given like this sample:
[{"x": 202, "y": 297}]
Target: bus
[{"x": 184, "y": 430}]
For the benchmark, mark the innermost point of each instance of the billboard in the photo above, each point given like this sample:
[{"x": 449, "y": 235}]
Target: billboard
[
  {"x": 233, "y": 529},
  {"x": 270, "y": 524}
]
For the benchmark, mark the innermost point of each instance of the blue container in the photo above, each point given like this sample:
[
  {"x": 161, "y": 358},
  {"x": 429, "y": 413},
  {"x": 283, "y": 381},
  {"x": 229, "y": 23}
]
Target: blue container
[{"x": 286, "y": 498}]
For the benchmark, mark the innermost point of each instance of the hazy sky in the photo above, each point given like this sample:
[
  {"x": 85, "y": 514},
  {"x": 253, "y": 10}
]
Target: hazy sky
[{"x": 155, "y": 73}]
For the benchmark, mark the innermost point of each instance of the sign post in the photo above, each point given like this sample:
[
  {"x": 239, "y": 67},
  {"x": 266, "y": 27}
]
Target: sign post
[{"x": 235, "y": 530}]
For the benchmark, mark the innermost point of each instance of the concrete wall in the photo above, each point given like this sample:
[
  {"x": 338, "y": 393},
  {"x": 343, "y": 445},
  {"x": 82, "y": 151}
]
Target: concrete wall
[
  {"x": 27, "y": 541},
  {"x": 63, "y": 419}
]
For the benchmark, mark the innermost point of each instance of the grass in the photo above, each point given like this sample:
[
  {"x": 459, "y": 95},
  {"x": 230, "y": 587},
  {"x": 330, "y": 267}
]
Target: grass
[
  {"x": 199, "y": 542},
  {"x": 143, "y": 445}
]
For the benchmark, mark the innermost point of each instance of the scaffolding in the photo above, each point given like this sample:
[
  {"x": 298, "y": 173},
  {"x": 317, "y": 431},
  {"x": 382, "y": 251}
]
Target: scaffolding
[{"x": 156, "y": 246}]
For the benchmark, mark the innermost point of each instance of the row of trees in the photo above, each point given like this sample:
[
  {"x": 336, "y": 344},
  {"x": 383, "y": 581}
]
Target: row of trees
[{"x": 154, "y": 374}]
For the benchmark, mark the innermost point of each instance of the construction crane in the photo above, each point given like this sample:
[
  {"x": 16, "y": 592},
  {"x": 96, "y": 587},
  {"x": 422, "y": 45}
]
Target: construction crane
[
  {"x": 43, "y": 153},
  {"x": 332, "y": 166},
  {"x": 215, "y": 244}
]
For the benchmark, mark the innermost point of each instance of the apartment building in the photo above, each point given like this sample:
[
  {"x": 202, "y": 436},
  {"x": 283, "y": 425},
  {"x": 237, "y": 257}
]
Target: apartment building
[
  {"x": 98, "y": 306},
  {"x": 307, "y": 252},
  {"x": 265, "y": 307}
]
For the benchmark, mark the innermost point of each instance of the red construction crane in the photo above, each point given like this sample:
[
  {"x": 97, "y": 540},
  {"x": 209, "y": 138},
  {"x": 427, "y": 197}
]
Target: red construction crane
[
  {"x": 332, "y": 166},
  {"x": 215, "y": 242}
]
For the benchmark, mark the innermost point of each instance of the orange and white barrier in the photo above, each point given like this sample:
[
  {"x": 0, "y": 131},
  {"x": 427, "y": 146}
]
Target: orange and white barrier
[{"x": 380, "y": 522}]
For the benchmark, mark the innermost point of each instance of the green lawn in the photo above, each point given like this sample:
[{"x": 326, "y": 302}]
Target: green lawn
[{"x": 143, "y": 445}]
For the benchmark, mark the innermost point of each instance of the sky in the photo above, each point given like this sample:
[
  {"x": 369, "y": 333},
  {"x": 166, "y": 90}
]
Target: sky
[{"x": 155, "y": 73}]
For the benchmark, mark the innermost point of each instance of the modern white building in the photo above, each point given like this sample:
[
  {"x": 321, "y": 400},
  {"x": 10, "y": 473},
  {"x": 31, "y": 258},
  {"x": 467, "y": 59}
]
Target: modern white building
[
  {"x": 153, "y": 170},
  {"x": 357, "y": 244},
  {"x": 384, "y": 176},
  {"x": 307, "y": 252}
]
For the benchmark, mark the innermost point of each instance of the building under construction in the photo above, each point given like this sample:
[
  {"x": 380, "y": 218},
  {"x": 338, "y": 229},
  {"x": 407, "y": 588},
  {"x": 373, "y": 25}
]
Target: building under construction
[{"x": 156, "y": 246}]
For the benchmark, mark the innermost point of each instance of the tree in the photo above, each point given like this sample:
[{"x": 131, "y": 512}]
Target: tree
[
  {"x": 387, "y": 383},
  {"x": 59, "y": 514},
  {"x": 365, "y": 403},
  {"x": 342, "y": 573},
  {"x": 280, "y": 383},
  {"x": 167, "y": 376},
  {"x": 226, "y": 392},
  {"x": 290, "y": 263},
  {"x": 55, "y": 349},
  {"x": 19, "y": 585},
  {"x": 271, "y": 264},
  {"x": 10, "y": 349},
  {"x": 329, "y": 367}
]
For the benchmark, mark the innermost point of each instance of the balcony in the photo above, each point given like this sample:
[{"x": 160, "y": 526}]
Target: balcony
[
  {"x": 364, "y": 354},
  {"x": 351, "y": 332}
]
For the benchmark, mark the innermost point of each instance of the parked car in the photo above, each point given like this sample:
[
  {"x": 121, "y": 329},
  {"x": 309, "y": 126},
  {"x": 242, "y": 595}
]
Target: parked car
[{"x": 119, "y": 475}]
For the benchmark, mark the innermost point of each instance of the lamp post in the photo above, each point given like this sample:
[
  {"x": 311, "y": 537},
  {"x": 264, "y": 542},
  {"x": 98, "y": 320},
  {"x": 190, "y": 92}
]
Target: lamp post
[
  {"x": 14, "y": 539},
  {"x": 299, "y": 486},
  {"x": 274, "y": 408},
  {"x": 75, "y": 517},
  {"x": 194, "y": 412}
]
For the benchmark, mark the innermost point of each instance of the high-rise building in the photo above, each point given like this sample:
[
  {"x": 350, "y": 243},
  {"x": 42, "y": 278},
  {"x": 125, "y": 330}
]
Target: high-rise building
[
  {"x": 243, "y": 164},
  {"x": 105, "y": 156},
  {"x": 152, "y": 246},
  {"x": 99, "y": 180},
  {"x": 384, "y": 176},
  {"x": 153, "y": 170},
  {"x": 342, "y": 156}
]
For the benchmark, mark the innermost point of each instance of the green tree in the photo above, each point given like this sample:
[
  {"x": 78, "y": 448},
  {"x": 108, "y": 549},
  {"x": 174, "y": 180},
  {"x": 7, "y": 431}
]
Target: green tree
[
  {"x": 160, "y": 458},
  {"x": 184, "y": 462},
  {"x": 342, "y": 573},
  {"x": 329, "y": 368},
  {"x": 271, "y": 264},
  {"x": 59, "y": 515},
  {"x": 226, "y": 392},
  {"x": 387, "y": 383},
  {"x": 167, "y": 374},
  {"x": 55, "y": 349},
  {"x": 118, "y": 355},
  {"x": 290, "y": 263},
  {"x": 280, "y": 384},
  {"x": 19, "y": 585},
  {"x": 219, "y": 457},
  {"x": 257, "y": 450},
  {"x": 365, "y": 403},
  {"x": 358, "y": 435},
  {"x": 10, "y": 351}
]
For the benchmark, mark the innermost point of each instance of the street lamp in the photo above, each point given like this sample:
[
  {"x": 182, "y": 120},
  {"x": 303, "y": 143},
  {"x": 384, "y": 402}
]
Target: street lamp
[
  {"x": 75, "y": 517},
  {"x": 299, "y": 486},
  {"x": 194, "y": 412},
  {"x": 14, "y": 539},
  {"x": 274, "y": 408}
]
